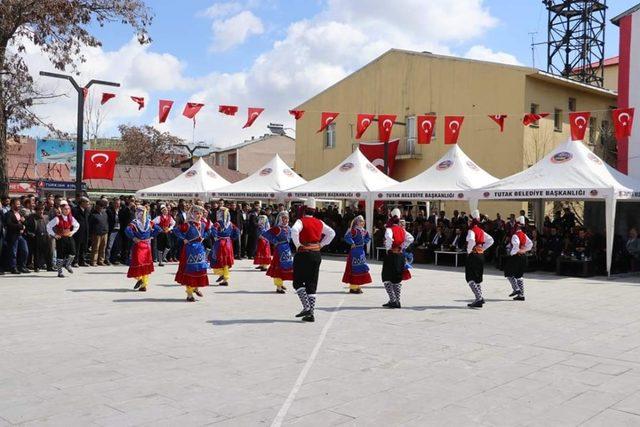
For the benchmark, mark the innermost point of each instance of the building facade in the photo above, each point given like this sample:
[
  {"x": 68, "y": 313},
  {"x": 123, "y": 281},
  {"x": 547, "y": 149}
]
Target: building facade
[
  {"x": 248, "y": 156},
  {"x": 408, "y": 83}
]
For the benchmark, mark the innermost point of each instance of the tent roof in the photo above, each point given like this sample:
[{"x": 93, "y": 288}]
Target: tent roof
[
  {"x": 267, "y": 182},
  {"x": 197, "y": 181},
  {"x": 570, "y": 171},
  {"x": 451, "y": 177},
  {"x": 353, "y": 178}
]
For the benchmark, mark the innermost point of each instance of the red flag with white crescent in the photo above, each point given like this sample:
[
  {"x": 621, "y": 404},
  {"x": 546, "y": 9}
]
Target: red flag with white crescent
[
  {"x": 191, "y": 109},
  {"x": 229, "y": 110},
  {"x": 531, "y": 118},
  {"x": 499, "y": 119},
  {"x": 85, "y": 92},
  {"x": 164, "y": 107},
  {"x": 106, "y": 96},
  {"x": 326, "y": 120},
  {"x": 297, "y": 114},
  {"x": 579, "y": 123},
  {"x": 622, "y": 122},
  {"x": 452, "y": 125},
  {"x": 138, "y": 100},
  {"x": 99, "y": 164},
  {"x": 364, "y": 121},
  {"x": 426, "y": 126},
  {"x": 385, "y": 125},
  {"x": 374, "y": 151},
  {"x": 252, "y": 115}
]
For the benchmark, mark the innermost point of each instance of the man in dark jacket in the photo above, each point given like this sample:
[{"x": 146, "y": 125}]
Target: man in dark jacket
[
  {"x": 126, "y": 215},
  {"x": 251, "y": 230},
  {"x": 236, "y": 219},
  {"x": 99, "y": 230},
  {"x": 38, "y": 239},
  {"x": 81, "y": 237},
  {"x": 112, "y": 253},
  {"x": 16, "y": 243}
]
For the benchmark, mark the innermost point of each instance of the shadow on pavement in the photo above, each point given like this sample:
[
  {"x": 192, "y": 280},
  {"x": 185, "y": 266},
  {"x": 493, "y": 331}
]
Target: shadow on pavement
[
  {"x": 151, "y": 300},
  {"x": 104, "y": 272},
  {"x": 102, "y": 290},
  {"x": 249, "y": 321}
]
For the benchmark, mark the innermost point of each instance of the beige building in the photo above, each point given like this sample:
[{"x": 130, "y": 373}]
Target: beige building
[
  {"x": 411, "y": 83},
  {"x": 248, "y": 156}
]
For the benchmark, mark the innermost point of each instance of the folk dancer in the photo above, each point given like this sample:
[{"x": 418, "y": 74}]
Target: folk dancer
[
  {"x": 193, "y": 265},
  {"x": 309, "y": 235},
  {"x": 141, "y": 230},
  {"x": 515, "y": 264},
  {"x": 62, "y": 227},
  {"x": 477, "y": 242},
  {"x": 166, "y": 223},
  {"x": 394, "y": 267},
  {"x": 281, "y": 267},
  {"x": 221, "y": 259},
  {"x": 356, "y": 272},
  {"x": 262, "y": 257}
]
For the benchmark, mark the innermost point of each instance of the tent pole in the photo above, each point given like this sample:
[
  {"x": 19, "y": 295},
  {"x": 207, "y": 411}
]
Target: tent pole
[
  {"x": 610, "y": 213},
  {"x": 368, "y": 206}
]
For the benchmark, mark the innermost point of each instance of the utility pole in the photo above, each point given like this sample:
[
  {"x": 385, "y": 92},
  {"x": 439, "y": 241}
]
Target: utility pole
[{"x": 80, "y": 129}]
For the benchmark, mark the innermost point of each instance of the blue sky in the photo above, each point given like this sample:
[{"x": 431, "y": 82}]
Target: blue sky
[{"x": 277, "y": 53}]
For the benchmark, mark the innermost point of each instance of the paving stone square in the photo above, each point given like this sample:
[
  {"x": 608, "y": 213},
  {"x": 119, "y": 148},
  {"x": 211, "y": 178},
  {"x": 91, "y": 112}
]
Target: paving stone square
[{"x": 87, "y": 350}]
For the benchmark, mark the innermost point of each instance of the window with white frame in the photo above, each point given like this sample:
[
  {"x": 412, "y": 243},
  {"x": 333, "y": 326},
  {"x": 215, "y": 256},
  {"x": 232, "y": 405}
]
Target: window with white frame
[
  {"x": 330, "y": 136},
  {"x": 411, "y": 133}
]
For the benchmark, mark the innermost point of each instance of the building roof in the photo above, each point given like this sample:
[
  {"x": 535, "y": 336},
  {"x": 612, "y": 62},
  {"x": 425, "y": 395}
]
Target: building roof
[
  {"x": 529, "y": 71},
  {"x": 129, "y": 178},
  {"x": 616, "y": 19},
  {"x": 262, "y": 138}
]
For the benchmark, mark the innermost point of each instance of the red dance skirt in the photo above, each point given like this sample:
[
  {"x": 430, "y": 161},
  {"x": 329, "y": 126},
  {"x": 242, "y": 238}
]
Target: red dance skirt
[
  {"x": 224, "y": 254},
  {"x": 263, "y": 253},
  {"x": 195, "y": 280},
  {"x": 352, "y": 278},
  {"x": 141, "y": 263},
  {"x": 276, "y": 271},
  {"x": 406, "y": 274}
]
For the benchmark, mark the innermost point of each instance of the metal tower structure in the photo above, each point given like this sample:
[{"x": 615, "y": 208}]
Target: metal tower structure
[{"x": 575, "y": 45}]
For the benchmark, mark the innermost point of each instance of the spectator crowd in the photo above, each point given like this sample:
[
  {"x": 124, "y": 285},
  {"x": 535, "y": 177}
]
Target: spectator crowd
[{"x": 100, "y": 240}]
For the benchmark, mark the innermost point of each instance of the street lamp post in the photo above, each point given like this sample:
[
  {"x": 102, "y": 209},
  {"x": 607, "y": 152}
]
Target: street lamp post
[
  {"x": 191, "y": 150},
  {"x": 80, "y": 129}
]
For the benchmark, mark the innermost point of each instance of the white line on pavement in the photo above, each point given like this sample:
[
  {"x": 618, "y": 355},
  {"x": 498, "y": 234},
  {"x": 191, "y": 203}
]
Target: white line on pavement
[{"x": 277, "y": 422}]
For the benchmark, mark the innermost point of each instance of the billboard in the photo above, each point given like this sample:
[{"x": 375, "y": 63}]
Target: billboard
[{"x": 56, "y": 151}]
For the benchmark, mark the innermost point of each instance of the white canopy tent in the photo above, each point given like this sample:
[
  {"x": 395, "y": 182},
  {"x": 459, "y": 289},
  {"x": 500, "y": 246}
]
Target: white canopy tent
[
  {"x": 269, "y": 182},
  {"x": 571, "y": 171},
  {"x": 355, "y": 178},
  {"x": 196, "y": 182},
  {"x": 453, "y": 177}
]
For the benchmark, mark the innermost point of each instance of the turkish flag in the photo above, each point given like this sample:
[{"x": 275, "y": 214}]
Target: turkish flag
[
  {"x": 229, "y": 110},
  {"x": 531, "y": 118},
  {"x": 138, "y": 100},
  {"x": 85, "y": 92},
  {"x": 252, "y": 115},
  {"x": 385, "y": 124},
  {"x": 106, "y": 96},
  {"x": 364, "y": 121},
  {"x": 191, "y": 109},
  {"x": 99, "y": 164},
  {"x": 499, "y": 119},
  {"x": 164, "y": 106},
  {"x": 374, "y": 151},
  {"x": 326, "y": 120},
  {"x": 622, "y": 122},
  {"x": 297, "y": 113},
  {"x": 578, "y": 122},
  {"x": 426, "y": 126},
  {"x": 452, "y": 125}
]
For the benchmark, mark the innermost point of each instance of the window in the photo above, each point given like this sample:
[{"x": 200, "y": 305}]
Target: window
[
  {"x": 606, "y": 131},
  {"x": 593, "y": 130},
  {"x": 557, "y": 120},
  {"x": 330, "y": 136},
  {"x": 572, "y": 104},
  {"x": 433, "y": 133},
  {"x": 223, "y": 160},
  {"x": 534, "y": 110},
  {"x": 410, "y": 134}
]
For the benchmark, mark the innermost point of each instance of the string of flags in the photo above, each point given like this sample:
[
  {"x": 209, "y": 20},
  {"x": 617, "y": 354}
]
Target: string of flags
[{"x": 425, "y": 124}]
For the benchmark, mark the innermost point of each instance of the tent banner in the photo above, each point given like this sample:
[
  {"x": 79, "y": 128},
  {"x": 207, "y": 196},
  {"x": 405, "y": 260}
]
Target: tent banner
[
  {"x": 248, "y": 195},
  {"x": 555, "y": 193},
  {"x": 328, "y": 194},
  {"x": 420, "y": 195}
]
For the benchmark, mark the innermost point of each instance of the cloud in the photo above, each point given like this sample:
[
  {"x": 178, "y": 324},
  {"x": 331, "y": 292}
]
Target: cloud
[
  {"x": 483, "y": 53},
  {"x": 311, "y": 55},
  {"x": 233, "y": 31}
]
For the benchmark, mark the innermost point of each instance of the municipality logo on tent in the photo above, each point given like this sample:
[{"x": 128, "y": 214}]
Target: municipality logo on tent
[
  {"x": 561, "y": 157},
  {"x": 445, "y": 164}
]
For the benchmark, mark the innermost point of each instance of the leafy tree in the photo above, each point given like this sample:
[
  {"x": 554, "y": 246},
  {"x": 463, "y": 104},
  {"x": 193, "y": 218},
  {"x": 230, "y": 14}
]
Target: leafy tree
[{"x": 60, "y": 28}]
